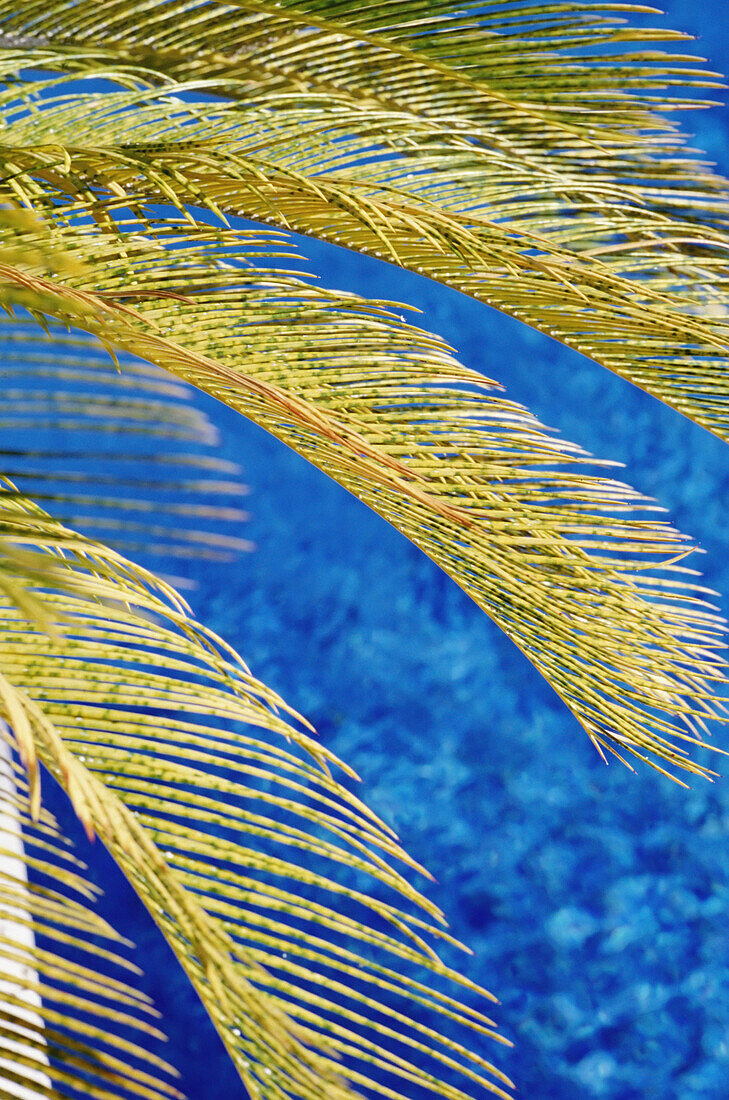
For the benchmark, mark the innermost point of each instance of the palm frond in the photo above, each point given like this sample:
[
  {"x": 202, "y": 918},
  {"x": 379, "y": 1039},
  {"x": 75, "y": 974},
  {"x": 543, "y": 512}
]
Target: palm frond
[
  {"x": 480, "y": 56},
  {"x": 474, "y": 480},
  {"x": 564, "y": 200},
  {"x": 68, "y": 1013},
  {"x": 252, "y": 858},
  {"x": 415, "y": 135}
]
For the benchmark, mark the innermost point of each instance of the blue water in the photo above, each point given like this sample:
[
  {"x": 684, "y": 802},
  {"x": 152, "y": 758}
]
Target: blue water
[{"x": 596, "y": 901}]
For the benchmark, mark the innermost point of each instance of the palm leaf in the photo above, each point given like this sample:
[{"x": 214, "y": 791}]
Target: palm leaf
[
  {"x": 61, "y": 386},
  {"x": 233, "y": 839},
  {"x": 65, "y": 1010},
  {"x": 553, "y": 200},
  {"x": 386, "y": 410}
]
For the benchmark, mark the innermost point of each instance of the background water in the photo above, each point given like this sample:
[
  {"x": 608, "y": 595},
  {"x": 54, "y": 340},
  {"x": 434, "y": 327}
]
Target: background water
[{"x": 596, "y": 901}]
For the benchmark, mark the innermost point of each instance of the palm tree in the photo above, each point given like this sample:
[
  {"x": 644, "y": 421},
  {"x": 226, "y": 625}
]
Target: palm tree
[{"x": 521, "y": 154}]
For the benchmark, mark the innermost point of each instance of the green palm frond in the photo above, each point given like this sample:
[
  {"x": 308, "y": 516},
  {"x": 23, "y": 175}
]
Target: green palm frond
[
  {"x": 64, "y": 991},
  {"x": 385, "y": 409},
  {"x": 480, "y": 54},
  {"x": 432, "y": 144},
  {"x": 235, "y": 840}
]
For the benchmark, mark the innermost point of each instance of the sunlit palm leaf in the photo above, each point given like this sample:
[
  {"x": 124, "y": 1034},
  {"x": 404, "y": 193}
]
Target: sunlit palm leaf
[
  {"x": 117, "y": 447},
  {"x": 384, "y": 408},
  {"x": 551, "y": 198},
  {"x": 479, "y": 56},
  {"x": 67, "y": 1012},
  {"x": 235, "y": 840}
]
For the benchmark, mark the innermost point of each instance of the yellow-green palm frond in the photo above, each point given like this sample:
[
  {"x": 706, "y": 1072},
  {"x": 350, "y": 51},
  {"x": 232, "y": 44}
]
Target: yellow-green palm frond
[
  {"x": 597, "y": 597},
  {"x": 251, "y": 857},
  {"x": 68, "y": 1015},
  {"x": 563, "y": 199},
  {"x": 475, "y": 58}
]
